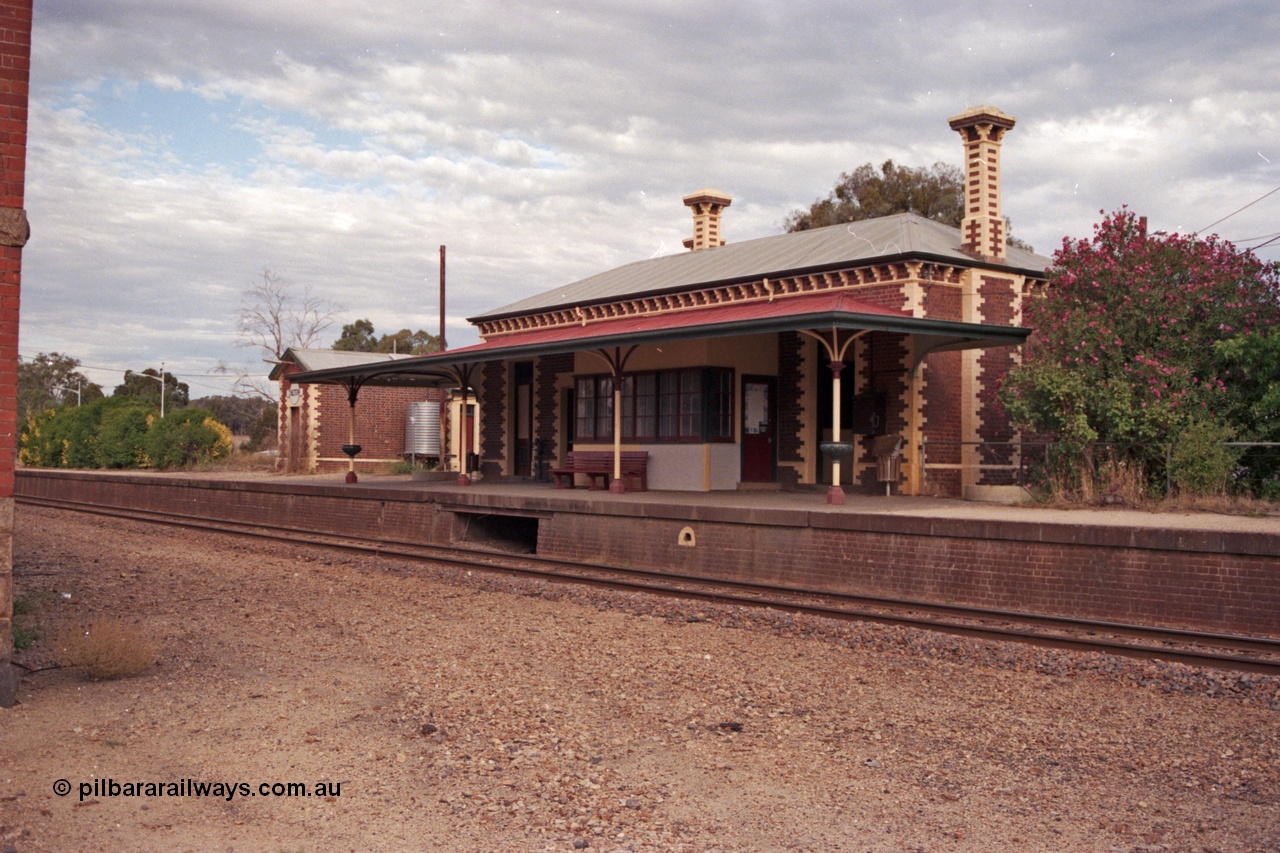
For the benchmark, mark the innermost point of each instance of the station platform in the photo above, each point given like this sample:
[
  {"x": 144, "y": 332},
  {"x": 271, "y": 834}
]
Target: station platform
[
  {"x": 760, "y": 503},
  {"x": 1199, "y": 571}
]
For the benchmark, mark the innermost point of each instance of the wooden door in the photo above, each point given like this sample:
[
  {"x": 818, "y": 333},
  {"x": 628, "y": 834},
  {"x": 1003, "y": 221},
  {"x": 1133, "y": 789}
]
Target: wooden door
[{"x": 759, "y": 455}]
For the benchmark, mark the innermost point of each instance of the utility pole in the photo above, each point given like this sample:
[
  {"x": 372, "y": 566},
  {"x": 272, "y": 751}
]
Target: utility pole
[{"x": 443, "y": 346}]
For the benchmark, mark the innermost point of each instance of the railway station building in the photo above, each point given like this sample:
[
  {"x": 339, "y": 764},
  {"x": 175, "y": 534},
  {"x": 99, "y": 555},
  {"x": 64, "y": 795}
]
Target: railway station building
[
  {"x": 314, "y": 420},
  {"x": 785, "y": 361}
]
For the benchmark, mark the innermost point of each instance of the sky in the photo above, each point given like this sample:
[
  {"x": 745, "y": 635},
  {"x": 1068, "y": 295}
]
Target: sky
[{"x": 179, "y": 149}]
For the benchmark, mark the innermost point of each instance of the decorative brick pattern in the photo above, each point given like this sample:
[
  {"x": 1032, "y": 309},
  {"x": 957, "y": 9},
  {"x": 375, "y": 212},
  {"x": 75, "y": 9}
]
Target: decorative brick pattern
[
  {"x": 983, "y": 227},
  {"x": 881, "y": 284},
  {"x": 492, "y": 397},
  {"x": 550, "y": 369},
  {"x": 791, "y": 376}
]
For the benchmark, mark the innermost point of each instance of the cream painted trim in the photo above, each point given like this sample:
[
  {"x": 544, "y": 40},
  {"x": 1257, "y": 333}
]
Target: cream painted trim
[{"x": 311, "y": 427}]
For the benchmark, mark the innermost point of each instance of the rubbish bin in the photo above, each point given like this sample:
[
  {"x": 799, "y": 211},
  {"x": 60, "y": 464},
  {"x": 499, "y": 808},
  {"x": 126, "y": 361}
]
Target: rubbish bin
[
  {"x": 887, "y": 450},
  {"x": 888, "y": 468}
]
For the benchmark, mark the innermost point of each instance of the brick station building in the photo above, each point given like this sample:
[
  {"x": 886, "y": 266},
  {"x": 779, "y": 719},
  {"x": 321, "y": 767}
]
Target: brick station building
[
  {"x": 729, "y": 364},
  {"x": 315, "y": 420}
]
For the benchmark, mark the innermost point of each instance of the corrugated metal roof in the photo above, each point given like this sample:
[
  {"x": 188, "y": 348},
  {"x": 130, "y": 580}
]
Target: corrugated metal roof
[
  {"x": 884, "y": 238},
  {"x": 326, "y": 359}
]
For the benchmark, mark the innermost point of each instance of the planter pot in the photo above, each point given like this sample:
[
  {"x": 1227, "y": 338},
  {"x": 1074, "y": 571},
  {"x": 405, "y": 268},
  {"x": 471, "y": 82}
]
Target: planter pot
[{"x": 836, "y": 449}]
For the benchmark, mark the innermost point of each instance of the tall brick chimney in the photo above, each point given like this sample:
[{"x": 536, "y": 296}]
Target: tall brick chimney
[
  {"x": 707, "y": 206},
  {"x": 983, "y": 227}
]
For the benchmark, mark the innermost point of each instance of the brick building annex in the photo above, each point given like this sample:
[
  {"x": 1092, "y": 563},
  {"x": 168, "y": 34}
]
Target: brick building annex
[{"x": 732, "y": 364}]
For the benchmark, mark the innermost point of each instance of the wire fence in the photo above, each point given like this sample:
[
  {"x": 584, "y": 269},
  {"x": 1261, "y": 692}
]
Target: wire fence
[{"x": 1102, "y": 469}]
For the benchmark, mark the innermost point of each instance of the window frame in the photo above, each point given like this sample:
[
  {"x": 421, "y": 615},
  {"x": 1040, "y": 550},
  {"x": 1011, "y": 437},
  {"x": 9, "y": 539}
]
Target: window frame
[{"x": 687, "y": 405}]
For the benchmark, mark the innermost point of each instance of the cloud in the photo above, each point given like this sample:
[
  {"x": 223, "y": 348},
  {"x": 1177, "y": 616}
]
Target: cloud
[{"x": 178, "y": 147}]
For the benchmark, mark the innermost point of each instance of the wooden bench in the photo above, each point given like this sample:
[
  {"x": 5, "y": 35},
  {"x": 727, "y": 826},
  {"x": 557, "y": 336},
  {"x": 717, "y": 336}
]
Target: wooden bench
[{"x": 598, "y": 465}]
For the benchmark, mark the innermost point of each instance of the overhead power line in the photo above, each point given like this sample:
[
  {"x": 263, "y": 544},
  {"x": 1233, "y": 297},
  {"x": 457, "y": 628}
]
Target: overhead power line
[
  {"x": 1234, "y": 212},
  {"x": 181, "y": 377}
]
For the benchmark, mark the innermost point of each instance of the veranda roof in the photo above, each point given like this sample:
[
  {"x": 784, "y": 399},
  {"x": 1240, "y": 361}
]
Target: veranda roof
[{"x": 824, "y": 311}]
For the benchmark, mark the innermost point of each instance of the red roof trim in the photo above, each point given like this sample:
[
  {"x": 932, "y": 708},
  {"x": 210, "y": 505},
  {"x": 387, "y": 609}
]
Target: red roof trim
[{"x": 763, "y": 309}]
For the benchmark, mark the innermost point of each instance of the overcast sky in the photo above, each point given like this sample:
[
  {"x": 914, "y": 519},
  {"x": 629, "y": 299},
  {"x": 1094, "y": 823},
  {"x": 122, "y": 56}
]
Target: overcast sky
[{"x": 178, "y": 148}]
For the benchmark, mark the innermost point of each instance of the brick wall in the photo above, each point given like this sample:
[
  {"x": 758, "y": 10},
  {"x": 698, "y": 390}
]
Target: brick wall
[
  {"x": 391, "y": 514},
  {"x": 998, "y": 307},
  {"x": 890, "y": 295},
  {"x": 381, "y": 415},
  {"x": 15, "y": 68},
  {"x": 1159, "y": 578},
  {"x": 1218, "y": 581},
  {"x": 325, "y": 420},
  {"x": 942, "y": 396}
]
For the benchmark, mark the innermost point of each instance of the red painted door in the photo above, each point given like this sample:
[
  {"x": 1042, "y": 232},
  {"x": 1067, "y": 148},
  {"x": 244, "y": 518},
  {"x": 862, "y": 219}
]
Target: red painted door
[{"x": 758, "y": 454}]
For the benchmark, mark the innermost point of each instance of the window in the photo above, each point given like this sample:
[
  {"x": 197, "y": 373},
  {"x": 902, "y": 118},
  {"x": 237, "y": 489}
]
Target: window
[
  {"x": 604, "y": 407},
  {"x": 694, "y": 404},
  {"x": 594, "y": 415},
  {"x": 719, "y": 405},
  {"x": 640, "y": 406},
  {"x": 584, "y": 420}
]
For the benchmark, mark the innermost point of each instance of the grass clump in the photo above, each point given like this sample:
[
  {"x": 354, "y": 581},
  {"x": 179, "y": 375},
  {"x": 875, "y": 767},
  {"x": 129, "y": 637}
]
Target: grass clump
[
  {"x": 22, "y": 637},
  {"x": 106, "y": 649}
]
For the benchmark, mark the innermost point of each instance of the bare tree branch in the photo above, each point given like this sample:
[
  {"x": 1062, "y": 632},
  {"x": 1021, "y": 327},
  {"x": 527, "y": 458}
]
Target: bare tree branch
[{"x": 274, "y": 317}]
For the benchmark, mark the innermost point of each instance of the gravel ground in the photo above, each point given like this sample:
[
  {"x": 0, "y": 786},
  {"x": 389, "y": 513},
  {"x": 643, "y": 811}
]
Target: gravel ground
[{"x": 473, "y": 712}]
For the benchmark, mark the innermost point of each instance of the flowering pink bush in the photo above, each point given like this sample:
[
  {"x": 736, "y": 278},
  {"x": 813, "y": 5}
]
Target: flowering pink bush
[{"x": 1125, "y": 334}]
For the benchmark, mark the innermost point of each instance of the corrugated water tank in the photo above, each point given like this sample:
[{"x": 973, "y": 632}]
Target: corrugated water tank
[{"x": 422, "y": 429}]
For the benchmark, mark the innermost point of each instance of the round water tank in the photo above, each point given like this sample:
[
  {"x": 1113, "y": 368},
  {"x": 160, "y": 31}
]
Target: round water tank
[{"x": 422, "y": 429}]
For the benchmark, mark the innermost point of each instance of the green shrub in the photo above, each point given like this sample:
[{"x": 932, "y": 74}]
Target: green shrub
[
  {"x": 64, "y": 438},
  {"x": 78, "y": 429},
  {"x": 187, "y": 437},
  {"x": 122, "y": 435},
  {"x": 1199, "y": 464},
  {"x": 36, "y": 444}
]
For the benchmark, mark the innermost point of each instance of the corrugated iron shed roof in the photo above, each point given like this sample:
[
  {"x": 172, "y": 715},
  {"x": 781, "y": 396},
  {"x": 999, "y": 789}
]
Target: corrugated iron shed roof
[
  {"x": 327, "y": 359},
  {"x": 904, "y": 235}
]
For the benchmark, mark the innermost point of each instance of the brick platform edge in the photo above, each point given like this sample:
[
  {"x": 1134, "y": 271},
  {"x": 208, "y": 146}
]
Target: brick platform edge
[{"x": 1203, "y": 580}]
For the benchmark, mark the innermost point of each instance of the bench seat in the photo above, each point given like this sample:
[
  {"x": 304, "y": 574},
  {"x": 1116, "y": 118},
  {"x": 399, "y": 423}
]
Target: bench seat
[{"x": 597, "y": 466}]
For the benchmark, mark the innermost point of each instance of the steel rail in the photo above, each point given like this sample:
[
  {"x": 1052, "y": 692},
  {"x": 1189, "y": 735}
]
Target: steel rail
[{"x": 1076, "y": 634}]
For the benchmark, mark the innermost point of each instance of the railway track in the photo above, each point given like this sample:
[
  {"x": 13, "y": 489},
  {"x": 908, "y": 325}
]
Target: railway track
[{"x": 1217, "y": 651}]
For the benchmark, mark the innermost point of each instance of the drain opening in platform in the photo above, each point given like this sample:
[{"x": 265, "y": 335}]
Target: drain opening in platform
[{"x": 516, "y": 534}]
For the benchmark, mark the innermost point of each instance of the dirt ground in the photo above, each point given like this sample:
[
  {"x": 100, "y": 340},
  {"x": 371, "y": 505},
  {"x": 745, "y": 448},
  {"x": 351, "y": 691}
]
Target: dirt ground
[{"x": 449, "y": 711}]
